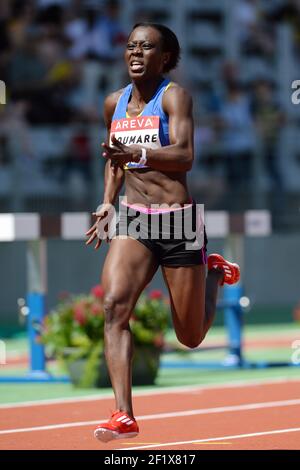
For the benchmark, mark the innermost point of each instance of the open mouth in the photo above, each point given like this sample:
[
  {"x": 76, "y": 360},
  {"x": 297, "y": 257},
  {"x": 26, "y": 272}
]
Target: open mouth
[{"x": 136, "y": 66}]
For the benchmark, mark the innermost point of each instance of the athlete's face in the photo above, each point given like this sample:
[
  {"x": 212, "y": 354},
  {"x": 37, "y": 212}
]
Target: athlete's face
[{"x": 144, "y": 55}]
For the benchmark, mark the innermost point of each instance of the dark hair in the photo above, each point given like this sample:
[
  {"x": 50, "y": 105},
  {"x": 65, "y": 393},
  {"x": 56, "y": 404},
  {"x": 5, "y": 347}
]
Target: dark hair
[{"x": 169, "y": 43}]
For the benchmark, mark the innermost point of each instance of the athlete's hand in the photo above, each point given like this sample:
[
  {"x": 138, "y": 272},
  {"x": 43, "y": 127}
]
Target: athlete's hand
[
  {"x": 93, "y": 231},
  {"x": 119, "y": 154}
]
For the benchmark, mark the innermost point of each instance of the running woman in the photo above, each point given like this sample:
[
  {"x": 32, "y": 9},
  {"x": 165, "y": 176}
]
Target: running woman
[{"x": 150, "y": 146}]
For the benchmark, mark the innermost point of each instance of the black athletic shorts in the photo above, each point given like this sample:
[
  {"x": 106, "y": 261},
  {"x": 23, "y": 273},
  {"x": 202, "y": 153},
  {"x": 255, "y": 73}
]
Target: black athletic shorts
[{"x": 177, "y": 238}]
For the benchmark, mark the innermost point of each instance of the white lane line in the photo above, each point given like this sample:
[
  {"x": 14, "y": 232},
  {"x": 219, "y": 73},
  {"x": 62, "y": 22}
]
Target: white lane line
[
  {"x": 155, "y": 391},
  {"x": 223, "y": 438},
  {"x": 175, "y": 414},
  {"x": 48, "y": 428}
]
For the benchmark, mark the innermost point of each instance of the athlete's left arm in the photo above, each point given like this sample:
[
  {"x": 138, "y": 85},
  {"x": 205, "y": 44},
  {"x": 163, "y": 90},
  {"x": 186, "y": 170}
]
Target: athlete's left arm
[{"x": 178, "y": 156}]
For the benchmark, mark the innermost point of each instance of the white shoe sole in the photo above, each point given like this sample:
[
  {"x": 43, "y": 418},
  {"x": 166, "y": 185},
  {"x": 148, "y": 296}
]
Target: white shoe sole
[{"x": 105, "y": 435}]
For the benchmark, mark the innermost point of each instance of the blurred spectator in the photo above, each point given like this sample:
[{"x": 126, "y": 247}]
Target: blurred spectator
[
  {"x": 21, "y": 22},
  {"x": 78, "y": 158},
  {"x": 95, "y": 35},
  {"x": 39, "y": 73},
  {"x": 16, "y": 19},
  {"x": 97, "y": 44},
  {"x": 246, "y": 17},
  {"x": 50, "y": 20},
  {"x": 5, "y": 8},
  {"x": 205, "y": 175},
  {"x": 26, "y": 71},
  {"x": 287, "y": 11},
  {"x": 236, "y": 133},
  {"x": 254, "y": 32},
  {"x": 269, "y": 120},
  {"x": 230, "y": 72},
  {"x": 13, "y": 123}
]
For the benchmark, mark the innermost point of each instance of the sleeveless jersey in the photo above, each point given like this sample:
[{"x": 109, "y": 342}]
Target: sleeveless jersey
[{"x": 150, "y": 129}]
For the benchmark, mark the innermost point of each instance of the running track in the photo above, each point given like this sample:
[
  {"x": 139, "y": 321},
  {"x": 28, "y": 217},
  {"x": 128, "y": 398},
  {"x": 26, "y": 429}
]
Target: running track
[{"x": 258, "y": 415}]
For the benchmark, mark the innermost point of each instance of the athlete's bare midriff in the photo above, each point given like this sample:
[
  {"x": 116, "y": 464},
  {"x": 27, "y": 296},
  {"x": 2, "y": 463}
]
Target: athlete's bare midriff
[{"x": 148, "y": 187}]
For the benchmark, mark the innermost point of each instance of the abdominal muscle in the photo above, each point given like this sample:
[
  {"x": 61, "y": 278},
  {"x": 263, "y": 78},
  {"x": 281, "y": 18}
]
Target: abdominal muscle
[{"x": 148, "y": 187}]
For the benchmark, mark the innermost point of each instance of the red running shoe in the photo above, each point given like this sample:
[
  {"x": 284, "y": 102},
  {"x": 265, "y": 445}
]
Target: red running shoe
[
  {"x": 119, "y": 426},
  {"x": 231, "y": 270}
]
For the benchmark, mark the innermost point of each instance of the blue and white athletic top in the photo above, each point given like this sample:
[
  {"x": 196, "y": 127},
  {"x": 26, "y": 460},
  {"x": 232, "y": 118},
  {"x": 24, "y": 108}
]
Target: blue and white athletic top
[{"x": 150, "y": 128}]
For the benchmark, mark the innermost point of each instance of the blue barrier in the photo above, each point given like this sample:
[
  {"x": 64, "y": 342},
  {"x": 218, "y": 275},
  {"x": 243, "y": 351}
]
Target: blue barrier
[
  {"x": 36, "y": 306},
  {"x": 233, "y": 317},
  {"x": 36, "y": 303}
]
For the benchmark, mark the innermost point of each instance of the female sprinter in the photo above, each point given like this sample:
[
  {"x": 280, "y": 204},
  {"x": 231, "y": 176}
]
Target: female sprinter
[{"x": 150, "y": 146}]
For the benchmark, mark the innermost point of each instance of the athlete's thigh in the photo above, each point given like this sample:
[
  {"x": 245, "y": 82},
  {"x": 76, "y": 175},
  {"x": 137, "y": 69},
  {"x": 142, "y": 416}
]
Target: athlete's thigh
[
  {"x": 186, "y": 287},
  {"x": 129, "y": 266}
]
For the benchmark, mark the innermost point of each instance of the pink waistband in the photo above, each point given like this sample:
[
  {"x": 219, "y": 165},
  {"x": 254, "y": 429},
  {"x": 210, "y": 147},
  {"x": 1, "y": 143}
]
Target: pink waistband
[{"x": 149, "y": 210}]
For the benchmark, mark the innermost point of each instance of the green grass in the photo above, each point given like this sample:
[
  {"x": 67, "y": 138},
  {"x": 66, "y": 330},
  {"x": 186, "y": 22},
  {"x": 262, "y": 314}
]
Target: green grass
[
  {"x": 14, "y": 393},
  {"x": 169, "y": 377}
]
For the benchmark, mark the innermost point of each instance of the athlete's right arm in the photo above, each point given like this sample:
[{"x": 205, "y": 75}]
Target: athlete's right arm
[{"x": 113, "y": 175}]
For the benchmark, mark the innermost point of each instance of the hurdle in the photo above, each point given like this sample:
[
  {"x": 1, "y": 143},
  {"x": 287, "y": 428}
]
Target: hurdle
[{"x": 36, "y": 229}]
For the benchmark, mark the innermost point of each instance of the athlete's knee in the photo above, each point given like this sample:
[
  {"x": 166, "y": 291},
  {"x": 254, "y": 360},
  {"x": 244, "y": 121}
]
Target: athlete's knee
[
  {"x": 116, "y": 310},
  {"x": 191, "y": 339}
]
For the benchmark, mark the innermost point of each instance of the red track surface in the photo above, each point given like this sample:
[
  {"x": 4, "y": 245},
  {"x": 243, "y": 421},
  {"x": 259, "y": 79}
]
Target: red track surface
[{"x": 246, "y": 409}]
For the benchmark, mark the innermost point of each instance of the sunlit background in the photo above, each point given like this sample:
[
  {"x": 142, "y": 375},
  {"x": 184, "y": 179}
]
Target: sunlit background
[{"x": 59, "y": 59}]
